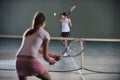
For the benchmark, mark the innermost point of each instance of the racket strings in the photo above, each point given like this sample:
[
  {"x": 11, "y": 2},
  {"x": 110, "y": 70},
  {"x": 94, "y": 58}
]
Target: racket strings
[
  {"x": 75, "y": 48},
  {"x": 73, "y": 8}
]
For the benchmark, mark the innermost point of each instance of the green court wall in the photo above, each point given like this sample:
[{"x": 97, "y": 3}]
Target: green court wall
[{"x": 91, "y": 19}]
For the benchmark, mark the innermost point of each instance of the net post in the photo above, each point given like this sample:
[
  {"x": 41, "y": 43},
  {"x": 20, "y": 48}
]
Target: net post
[{"x": 82, "y": 54}]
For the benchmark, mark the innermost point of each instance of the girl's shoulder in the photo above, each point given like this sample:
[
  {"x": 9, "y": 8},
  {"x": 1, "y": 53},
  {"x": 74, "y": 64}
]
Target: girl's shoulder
[{"x": 44, "y": 33}]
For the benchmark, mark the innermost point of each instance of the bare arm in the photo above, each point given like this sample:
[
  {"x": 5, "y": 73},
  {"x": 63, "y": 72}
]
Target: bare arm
[
  {"x": 49, "y": 53},
  {"x": 46, "y": 55},
  {"x": 56, "y": 57},
  {"x": 70, "y": 23}
]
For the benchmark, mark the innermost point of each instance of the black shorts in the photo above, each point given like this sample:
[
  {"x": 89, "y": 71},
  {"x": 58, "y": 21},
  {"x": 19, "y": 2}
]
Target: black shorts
[{"x": 65, "y": 34}]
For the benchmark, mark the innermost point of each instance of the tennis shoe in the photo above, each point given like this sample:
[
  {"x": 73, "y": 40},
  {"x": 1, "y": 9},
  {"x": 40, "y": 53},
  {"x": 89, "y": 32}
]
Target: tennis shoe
[{"x": 65, "y": 54}]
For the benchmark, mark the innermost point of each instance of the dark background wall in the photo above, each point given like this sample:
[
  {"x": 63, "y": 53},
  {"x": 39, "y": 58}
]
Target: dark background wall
[{"x": 91, "y": 19}]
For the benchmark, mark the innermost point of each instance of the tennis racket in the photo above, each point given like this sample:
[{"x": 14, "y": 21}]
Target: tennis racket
[
  {"x": 71, "y": 9},
  {"x": 74, "y": 48}
]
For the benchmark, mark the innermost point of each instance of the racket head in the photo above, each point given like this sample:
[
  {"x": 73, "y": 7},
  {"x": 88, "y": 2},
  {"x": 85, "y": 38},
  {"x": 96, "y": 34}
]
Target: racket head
[
  {"x": 75, "y": 48},
  {"x": 72, "y": 9}
]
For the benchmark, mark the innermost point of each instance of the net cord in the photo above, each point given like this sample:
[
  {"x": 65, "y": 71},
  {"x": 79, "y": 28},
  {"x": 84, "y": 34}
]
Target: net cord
[{"x": 61, "y": 38}]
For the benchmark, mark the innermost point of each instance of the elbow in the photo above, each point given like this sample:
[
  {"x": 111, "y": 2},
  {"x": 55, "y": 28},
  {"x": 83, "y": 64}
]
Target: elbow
[{"x": 70, "y": 25}]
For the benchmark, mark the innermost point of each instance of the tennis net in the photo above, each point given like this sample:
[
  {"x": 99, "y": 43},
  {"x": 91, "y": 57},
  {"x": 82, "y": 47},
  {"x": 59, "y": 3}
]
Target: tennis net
[{"x": 100, "y": 55}]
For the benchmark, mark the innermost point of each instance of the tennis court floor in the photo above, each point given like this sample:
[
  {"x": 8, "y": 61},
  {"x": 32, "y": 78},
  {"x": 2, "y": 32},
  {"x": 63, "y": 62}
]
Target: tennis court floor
[{"x": 11, "y": 75}]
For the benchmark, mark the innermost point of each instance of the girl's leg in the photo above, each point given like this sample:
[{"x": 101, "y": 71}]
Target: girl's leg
[
  {"x": 44, "y": 76},
  {"x": 65, "y": 43},
  {"x": 22, "y": 77}
]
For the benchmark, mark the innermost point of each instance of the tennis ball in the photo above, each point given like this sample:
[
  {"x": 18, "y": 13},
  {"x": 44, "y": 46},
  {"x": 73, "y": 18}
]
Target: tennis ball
[{"x": 54, "y": 14}]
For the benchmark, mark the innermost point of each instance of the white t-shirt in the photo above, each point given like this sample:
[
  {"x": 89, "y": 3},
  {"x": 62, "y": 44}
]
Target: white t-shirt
[
  {"x": 65, "y": 25},
  {"x": 32, "y": 43}
]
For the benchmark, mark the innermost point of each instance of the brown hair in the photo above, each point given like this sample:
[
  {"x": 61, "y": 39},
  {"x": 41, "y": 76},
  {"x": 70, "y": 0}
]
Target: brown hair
[
  {"x": 63, "y": 13},
  {"x": 38, "y": 20}
]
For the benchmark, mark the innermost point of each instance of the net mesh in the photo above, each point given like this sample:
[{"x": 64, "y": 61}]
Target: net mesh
[
  {"x": 102, "y": 57},
  {"x": 99, "y": 56},
  {"x": 9, "y": 47}
]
